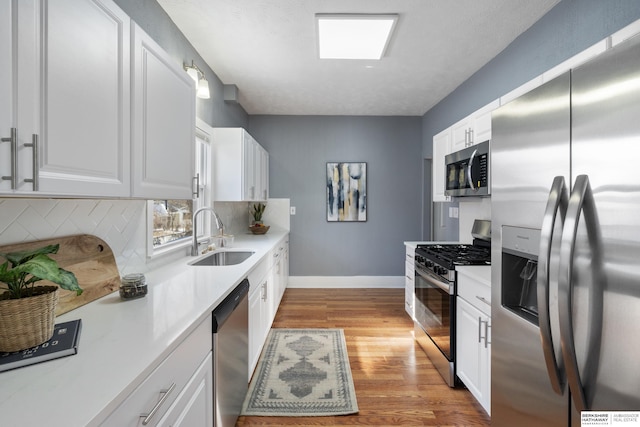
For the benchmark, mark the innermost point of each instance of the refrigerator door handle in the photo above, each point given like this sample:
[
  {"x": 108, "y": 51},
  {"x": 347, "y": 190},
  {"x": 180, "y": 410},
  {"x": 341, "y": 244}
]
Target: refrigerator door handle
[
  {"x": 581, "y": 201},
  {"x": 557, "y": 202}
]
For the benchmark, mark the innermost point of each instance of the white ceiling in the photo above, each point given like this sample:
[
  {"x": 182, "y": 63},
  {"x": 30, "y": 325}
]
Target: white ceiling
[{"x": 268, "y": 49}]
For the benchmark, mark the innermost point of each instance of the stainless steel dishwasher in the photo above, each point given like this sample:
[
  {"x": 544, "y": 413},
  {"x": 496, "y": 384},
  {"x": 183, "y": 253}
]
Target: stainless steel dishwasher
[{"x": 230, "y": 355}]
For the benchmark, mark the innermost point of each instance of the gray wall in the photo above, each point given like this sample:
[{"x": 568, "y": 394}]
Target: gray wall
[
  {"x": 154, "y": 21},
  {"x": 569, "y": 28},
  {"x": 300, "y": 146}
]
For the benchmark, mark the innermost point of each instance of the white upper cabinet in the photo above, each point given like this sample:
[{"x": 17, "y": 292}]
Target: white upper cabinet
[
  {"x": 66, "y": 71},
  {"x": 66, "y": 95},
  {"x": 441, "y": 147},
  {"x": 163, "y": 123},
  {"x": 241, "y": 166},
  {"x": 6, "y": 93},
  {"x": 474, "y": 128}
]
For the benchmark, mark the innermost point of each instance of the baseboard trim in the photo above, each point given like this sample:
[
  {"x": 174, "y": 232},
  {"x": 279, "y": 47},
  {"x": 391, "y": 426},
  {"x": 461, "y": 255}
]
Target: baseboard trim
[{"x": 346, "y": 282}]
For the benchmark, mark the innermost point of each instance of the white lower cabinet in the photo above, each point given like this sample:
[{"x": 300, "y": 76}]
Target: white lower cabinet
[
  {"x": 176, "y": 389},
  {"x": 409, "y": 281},
  {"x": 268, "y": 282},
  {"x": 193, "y": 407},
  {"x": 473, "y": 338}
]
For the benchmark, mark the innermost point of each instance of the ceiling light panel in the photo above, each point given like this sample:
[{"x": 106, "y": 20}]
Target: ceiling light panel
[{"x": 352, "y": 36}]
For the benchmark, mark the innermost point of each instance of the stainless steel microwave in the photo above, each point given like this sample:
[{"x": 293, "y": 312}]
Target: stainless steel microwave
[{"x": 467, "y": 171}]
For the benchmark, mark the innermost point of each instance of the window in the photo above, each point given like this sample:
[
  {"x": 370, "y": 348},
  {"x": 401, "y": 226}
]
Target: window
[{"x": 171, "y": 220}]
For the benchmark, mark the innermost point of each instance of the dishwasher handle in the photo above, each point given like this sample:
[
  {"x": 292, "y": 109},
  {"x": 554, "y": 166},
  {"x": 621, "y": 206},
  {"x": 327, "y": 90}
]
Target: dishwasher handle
[{"x": 222, "y": 312}]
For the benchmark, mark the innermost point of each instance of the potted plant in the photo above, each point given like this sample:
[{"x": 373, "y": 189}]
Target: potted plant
[
  {"x": 27, "y": 312},
  {"x": 256, "y": 212},
  {"x": 258, "y": 227}
]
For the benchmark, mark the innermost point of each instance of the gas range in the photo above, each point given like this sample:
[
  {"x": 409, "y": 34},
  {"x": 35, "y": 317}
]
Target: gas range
[
  {"x": 435, "y": 294},
  {"x": 442, "y": 259}
]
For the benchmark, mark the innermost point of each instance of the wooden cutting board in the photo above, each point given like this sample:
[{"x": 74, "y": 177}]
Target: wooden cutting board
[{"x": 88, "y": 257}]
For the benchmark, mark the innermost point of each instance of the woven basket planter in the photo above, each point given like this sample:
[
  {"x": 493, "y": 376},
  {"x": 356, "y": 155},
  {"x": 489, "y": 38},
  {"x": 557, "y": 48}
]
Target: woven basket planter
[{"x": 28, "y": 322}]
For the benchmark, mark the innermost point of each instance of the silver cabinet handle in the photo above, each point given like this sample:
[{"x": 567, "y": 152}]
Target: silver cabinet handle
[
  {"x": 13, "y": 140},
  {"x": 581, "y": 201},
  {"x": 264, "y": 291},
  {"x": 479, "y": 329},
  {"x": 150, "y": 415},
  {"x": 484, "y": 300},
  {"x": 486, "y": 334},
  {"x": 557, "y": 202},
  {"x": 473, "y": 156},
  {"x": 196, "y": 180},
  {"x": 470, "y": 136},
  {"x": 35, "y": 164}
]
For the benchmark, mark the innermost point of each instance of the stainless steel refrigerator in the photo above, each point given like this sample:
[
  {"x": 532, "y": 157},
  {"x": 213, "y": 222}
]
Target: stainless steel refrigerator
[{"x": 565, "y": 253}]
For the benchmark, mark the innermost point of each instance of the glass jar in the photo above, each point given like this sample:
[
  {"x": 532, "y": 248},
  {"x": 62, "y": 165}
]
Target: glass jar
[{"x": 133, "y": 286}]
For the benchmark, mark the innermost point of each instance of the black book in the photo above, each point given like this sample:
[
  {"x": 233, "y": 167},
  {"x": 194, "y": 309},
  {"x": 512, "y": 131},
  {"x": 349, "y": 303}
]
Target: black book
[{"x": 64, "y": 342}]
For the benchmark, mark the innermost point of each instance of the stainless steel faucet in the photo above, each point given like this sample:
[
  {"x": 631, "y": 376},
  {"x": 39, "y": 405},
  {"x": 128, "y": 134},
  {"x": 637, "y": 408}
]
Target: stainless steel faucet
[{"x": 219, "y": 226}]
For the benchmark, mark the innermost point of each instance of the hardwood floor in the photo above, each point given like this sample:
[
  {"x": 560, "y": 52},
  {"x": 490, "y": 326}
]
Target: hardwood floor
[{"x": 396, "y": 384}]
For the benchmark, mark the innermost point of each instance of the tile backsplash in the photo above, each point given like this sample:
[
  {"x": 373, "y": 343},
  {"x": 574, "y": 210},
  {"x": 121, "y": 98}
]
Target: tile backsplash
[{"x": 120, "y": 223}]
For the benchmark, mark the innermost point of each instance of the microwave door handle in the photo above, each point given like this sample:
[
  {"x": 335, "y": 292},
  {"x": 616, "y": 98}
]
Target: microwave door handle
[
  {"x": 581, "y": 201},
  {"x": 556, "y": 203},
  {"x": 473, "y": 155}
]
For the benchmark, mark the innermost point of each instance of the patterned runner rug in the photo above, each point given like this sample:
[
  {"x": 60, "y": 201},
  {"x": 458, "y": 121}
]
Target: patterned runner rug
[{"x": 301, "y": 373}]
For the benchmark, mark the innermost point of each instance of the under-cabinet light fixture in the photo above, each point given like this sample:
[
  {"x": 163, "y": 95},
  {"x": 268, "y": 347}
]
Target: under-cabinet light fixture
[
  {"x": 202, "y": 85},
  {"x": 354, "y": 36}
]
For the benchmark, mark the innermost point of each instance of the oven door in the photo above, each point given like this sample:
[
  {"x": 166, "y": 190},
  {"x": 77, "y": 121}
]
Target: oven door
[{"x": 434, "y": 309}]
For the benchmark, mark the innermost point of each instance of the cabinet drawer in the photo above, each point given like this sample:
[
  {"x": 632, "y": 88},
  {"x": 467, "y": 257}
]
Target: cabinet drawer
[
  {"x": 409, "y": 270},
  {"x": 174, "y": 371},
  {"x": 410, "y": 254},
  {"x": 475, "y": 292}
]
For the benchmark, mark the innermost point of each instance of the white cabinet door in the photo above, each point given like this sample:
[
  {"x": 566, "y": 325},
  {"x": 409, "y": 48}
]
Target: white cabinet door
[
  {"x": 473, "y": 340},
  {"x": 256, "y": 338},
  {"x": 250, "y": 165},
  {"x": 171, "y": 381},
  {"x": 474, "y": 128},
  {"x": 7, "y": 37},
  {"x": 163, "y": 123},
  {"x": 481, "y": 129},
  {"x": 193, "y": 407},
  {"x": 441, "y": 147},
  {"x": 461, "y": 134},
  {"x": 262, "y": 175},
  {"x": 241, "y": 166},
  {"x": 72, "y": 97}
]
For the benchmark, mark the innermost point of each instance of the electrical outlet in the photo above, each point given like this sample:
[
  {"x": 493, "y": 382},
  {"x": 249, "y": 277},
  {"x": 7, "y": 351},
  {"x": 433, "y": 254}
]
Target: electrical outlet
[{"x": 293, "y": 210}]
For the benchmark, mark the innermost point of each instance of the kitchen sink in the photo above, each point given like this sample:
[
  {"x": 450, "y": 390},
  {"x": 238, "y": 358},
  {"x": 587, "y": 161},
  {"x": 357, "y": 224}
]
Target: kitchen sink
[{"x": 223, "y": 258}]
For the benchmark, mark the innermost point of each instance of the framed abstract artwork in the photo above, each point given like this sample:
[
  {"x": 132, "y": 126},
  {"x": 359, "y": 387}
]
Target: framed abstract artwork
[{"x": 346, "y": 191}]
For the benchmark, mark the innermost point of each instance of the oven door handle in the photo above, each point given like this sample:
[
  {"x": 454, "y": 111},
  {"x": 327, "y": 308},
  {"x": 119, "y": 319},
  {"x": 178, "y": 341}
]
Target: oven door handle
[{"x": 434, "y": 280}]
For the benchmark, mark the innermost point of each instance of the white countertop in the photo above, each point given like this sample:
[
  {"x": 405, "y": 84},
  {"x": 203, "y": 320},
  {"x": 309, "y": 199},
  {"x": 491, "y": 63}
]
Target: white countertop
[{"x": 122, "y": 342}]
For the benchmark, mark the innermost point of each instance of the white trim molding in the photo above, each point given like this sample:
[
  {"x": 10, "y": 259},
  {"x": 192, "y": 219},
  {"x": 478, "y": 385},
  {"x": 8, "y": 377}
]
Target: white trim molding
[{"x": 346, "y": 282}]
